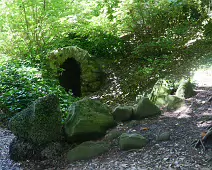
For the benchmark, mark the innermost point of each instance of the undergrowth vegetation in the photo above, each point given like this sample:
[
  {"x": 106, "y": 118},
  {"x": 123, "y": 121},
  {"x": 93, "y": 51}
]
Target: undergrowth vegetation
[
  {"x": 147, "y": 31},
  {"x": 21, "y": 84}
]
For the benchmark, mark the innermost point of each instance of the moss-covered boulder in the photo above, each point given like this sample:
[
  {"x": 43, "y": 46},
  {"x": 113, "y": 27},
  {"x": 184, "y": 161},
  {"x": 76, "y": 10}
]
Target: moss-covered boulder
[
  {"x": 132, "y": 141},
  {"x": 145, "y": 108},
  {"x": 39, "y": 123},
  {"x": 162, "y": 88},
  {"x": 87, "y": 150},
  {"x": 88, "y": 119},
  {"x": 185, "y": 89},
  {"x": 122, "y": 113},
  {"x": 170, "y": 102}
]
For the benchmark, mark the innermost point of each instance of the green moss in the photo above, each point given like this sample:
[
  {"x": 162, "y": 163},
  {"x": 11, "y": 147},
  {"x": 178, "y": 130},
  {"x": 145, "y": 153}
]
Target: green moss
[
  {"x": 88, "y": 117},
  {"x": 39, "y": 123}
]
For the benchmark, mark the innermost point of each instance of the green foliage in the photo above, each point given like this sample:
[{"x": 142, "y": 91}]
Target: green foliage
[
  {"x": 208, "y": 29},
  {"x": 21, "y": 84},
  {"x": 96, "y": 41},
  {"x": 154, "y": 65},
  {"x": 29, "y": 27},
  {"x": 160, "y": 27},
  {"x": 32, "y": 28},
  {"x": 152, "y": 28},
  {"x": 5, "y": 114}
]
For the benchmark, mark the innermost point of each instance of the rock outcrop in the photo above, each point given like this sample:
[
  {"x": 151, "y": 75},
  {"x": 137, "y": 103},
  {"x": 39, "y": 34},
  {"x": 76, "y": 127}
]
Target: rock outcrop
[
  {"x": 171, "y": 95},
  {"x": 164, "y": 136}
]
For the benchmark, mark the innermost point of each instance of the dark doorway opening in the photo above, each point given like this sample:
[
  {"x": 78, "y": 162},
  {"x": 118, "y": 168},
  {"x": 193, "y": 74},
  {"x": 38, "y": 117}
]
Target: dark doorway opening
[{"x": 70, "y": 77}]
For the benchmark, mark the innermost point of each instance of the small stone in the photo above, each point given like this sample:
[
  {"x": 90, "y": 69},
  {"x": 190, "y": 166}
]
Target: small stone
[
  {"x": 163, "y": 136},
  {"x": 165, "y": 159},
  {"x": 132, "y": 141},
  {"x": 124, "y": 165}
]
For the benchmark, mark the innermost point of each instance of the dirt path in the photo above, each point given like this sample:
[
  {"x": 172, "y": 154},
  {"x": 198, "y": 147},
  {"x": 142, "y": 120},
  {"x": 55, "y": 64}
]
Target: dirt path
[{"x": 185, "y": 126}]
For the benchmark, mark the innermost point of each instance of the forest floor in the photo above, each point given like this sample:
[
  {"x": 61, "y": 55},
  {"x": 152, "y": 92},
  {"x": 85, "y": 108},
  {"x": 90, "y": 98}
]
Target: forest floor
[{"x": 185, "y": 126}]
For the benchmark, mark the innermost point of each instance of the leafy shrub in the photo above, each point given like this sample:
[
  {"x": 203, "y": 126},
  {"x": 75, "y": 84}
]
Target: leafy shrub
[
  {"x": 157, "y": 47},
  {"x": 96, "y": 41},
  {"x": 21, "y": 84},
  {"x": 159, "y": 27},
  {"x": 208, "y": 29}
]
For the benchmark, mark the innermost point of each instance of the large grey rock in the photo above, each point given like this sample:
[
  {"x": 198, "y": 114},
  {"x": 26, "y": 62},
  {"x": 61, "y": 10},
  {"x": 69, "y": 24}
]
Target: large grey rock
[
  {"x": 88, "y": 119},
  {"x": 185, "y": 89},
  {"x": 40, "y": 123},
  {"x": 145, "y": 108},
  {"x": 87, "y": 150},
  {"x": 122, "y": 113},
  {"x": 132, "y": 141}
]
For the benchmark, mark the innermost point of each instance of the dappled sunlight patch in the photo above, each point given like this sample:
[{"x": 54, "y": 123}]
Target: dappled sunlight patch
[
  {"x": 203, "y": 77},
  {"x": 207, "y": 112},
  {"x": 183, "y": 115},
  {"x": 182, "y": 112},
  {"x": 205, "y": 121}
]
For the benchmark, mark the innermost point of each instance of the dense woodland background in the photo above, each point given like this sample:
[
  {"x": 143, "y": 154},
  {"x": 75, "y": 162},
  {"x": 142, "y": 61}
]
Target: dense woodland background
[{"x": 154, "y": 34}]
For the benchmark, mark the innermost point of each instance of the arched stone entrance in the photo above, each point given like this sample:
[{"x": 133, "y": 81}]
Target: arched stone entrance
[
  {"x": 82, "y": 72},
  {"x": 70, "y": 78}
]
